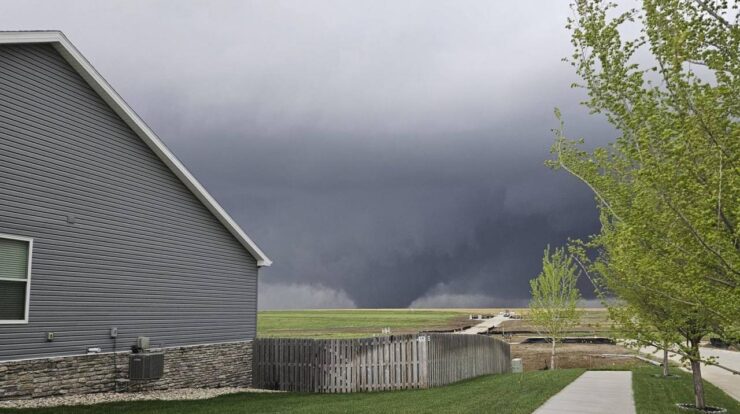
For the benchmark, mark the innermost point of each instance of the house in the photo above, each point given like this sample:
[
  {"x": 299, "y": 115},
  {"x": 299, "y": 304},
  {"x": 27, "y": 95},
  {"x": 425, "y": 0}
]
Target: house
[{"x": 108, "y": 242}]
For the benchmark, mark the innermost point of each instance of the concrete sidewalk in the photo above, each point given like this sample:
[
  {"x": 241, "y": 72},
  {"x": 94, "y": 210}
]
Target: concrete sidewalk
[
  {"x": 594, "y": 392},
  {"x": 484, "y": 326}
]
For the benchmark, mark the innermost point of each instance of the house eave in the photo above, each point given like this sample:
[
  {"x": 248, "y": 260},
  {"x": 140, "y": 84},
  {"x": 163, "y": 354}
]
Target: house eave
[{"x": 65, "y": 48}]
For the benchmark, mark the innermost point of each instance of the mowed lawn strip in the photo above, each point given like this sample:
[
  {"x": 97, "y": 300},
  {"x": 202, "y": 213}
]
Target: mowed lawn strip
[
  {"x": 506, "y": 393},
  {"x": 354, "y": 323},
  {"x": 656, "y": 395}
]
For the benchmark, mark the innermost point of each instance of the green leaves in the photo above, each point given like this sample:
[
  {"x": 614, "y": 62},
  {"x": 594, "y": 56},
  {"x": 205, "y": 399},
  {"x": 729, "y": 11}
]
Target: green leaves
[
  {"x": 555, "y": 295},
  {"x": 668, "y": 188}
]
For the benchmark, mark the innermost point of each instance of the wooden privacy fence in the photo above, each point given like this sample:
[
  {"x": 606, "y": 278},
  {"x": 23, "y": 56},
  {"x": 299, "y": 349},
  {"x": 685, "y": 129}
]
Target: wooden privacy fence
[
  {"x": 452, "y": 358},
  {"x": 373, "y": 364}
]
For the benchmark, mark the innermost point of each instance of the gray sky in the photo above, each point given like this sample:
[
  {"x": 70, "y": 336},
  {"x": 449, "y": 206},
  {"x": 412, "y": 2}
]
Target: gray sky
[{"x": 383, "y": 154}]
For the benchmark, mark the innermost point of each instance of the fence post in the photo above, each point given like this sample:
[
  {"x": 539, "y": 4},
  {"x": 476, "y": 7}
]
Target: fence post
[{"x": 380, "y": 363}]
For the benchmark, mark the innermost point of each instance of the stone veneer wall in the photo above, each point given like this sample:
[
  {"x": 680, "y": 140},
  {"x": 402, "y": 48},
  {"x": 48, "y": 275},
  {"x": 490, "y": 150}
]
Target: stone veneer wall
[{"x": 200, "y": 366}]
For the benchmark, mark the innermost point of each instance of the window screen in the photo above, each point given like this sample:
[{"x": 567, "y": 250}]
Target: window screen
[{"x": 14, "y": 256}]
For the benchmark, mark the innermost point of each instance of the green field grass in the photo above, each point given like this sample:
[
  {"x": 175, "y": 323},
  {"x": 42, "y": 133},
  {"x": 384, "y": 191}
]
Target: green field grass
[
  {"x": 354, "y": 323},
  {"x": 508, "y": 393}
]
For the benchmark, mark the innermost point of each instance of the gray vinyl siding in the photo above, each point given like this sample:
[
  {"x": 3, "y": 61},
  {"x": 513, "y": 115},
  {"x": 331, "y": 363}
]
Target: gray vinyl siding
[{"x": 119, "y": 241}]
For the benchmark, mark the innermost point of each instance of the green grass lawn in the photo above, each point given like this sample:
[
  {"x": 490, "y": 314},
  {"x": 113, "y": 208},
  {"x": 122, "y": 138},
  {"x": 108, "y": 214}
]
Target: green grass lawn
[
  {"x": 508, "y": 393},
  {"x": 503, "y": 394},
  {"x": 656, "y": 395},
  {"x": 354, "y": 323}
]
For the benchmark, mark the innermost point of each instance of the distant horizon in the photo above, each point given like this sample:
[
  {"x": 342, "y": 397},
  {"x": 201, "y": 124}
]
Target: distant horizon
[{"x": 591, "y": 304}]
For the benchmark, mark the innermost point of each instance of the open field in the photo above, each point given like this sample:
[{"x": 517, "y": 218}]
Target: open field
[
  {"x": 594, "y": 322},
  {"x": 505, "y": 394},
  {"x": 353, "y": 323}
]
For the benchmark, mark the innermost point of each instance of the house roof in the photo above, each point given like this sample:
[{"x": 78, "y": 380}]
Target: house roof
[{"x": 111, "y": 97}]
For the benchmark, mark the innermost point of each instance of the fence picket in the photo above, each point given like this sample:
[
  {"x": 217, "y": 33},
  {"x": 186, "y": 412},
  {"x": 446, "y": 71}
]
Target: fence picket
[{"x": 371, "y": 364}]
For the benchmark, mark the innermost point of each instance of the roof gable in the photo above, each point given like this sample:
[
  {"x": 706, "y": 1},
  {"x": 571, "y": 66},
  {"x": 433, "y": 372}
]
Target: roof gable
[{"x": 65, "y": 48}]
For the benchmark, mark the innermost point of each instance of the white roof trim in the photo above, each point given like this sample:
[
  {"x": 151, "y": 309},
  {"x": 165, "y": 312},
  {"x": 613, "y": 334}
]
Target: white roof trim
[{"x": 111, "y": 97}]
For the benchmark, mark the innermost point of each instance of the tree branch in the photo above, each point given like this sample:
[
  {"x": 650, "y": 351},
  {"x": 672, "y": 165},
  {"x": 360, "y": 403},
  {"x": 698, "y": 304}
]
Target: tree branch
[
  {"x": 665, "y": 295},
  {"x": 565, "y": 167},
  {"x": 696, "y": 234},
  {"x": 714, "y": 14}
]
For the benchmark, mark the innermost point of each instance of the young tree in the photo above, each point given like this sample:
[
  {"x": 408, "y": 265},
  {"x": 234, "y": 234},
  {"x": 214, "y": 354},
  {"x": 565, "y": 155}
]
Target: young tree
[
  {"x": 656, "y": 332},
  {"x": 668, "y": 188},
  {"x": 552, "y": 308}
]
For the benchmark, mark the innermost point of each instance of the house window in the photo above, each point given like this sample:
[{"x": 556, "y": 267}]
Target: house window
[{"x": 15, "y": 278}]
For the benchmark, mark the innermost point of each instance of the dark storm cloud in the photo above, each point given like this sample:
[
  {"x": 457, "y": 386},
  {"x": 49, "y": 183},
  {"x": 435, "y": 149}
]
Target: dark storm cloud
[{"x": 380, "y": 153}]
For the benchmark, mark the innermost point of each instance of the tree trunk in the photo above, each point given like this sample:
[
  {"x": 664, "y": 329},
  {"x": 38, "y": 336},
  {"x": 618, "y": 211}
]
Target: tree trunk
[
  {"x": 552, "y": 355},
  {"x": 665, "y": 362},
  {"x": 696, "y": 374}
]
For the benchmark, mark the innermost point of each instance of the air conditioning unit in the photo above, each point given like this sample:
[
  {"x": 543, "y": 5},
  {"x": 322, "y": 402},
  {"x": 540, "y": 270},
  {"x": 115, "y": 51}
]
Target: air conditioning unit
[{"x": 146, "y": 366}]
